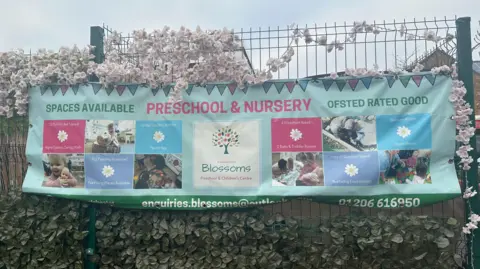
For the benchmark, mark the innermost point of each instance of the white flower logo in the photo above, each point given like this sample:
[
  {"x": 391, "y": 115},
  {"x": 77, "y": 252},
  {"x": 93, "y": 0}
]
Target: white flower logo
[
  {"x": 158, "y": 136},
  {"x": 351, "y": 170},
  {"x": 108, "y": 171},
  {"x": 295, "y": 134},
  {"x": 62, "y": 136},
  {"x": 403, "y": 131}
]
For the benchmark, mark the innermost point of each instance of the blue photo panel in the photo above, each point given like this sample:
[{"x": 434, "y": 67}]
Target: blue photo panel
[
  {"x": 351, "y": 168},
  {"x": 159, "y": 137},
  {"x": 109, "y": 171},
  {"x": 403, "y": 132}
]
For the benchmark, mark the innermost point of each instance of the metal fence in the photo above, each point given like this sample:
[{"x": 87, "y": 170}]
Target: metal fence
[
  {"x": 335, "y": 47},
  {"x": 397, "y": 44}
]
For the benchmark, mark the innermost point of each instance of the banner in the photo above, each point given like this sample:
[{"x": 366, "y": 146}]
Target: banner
[{"x": 367, "y": 142}]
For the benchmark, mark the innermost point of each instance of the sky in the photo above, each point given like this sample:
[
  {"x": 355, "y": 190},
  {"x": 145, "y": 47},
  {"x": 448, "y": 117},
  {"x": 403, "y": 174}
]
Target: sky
[{"x": 33, "y": 24}]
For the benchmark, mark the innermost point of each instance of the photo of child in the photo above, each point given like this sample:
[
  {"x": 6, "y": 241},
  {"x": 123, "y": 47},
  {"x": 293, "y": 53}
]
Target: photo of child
[
  {"x": 405, "y": 166},
  {"x": 163, "y": 171},
  {"x": 66, "y": 178},
  {"x": 107, "y": 136},
  {"x": 99, "y": 146},
  {"x": 297, "y": 169},
  {"x": 349, "y": 133},
  {"x": 420, "y": 174},
  {"x": 63, "y": 170}
]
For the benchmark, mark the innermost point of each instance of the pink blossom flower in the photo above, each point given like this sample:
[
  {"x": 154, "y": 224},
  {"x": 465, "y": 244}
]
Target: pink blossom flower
[
  {"x": 474, "y": 218},
  {"x": 471, "y": 226},
  {"x": 418, "y": 67},
  {"x": 466, "y": 167},
  {"x": 462, "y": 151},
  {"x": 469, "y": 193}
]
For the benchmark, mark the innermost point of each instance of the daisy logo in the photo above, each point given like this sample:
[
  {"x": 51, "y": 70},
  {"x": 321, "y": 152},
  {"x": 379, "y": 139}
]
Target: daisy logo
[
  {"x": 108, "y": 171},
  {"x": 62, "y": 136},
  {"x": 295, "y": 134},
  {"x": 224, "y": 138},
  {"x": 158, "y": 136},
  {"x": 351, "y": 170},
  {"x": 403, "y": 131}
]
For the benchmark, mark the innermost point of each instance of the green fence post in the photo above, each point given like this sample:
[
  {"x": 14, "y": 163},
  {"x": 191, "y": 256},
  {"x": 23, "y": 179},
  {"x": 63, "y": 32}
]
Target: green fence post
[
  {"x": 465, "y": 74},
  {"x": 96, "y": 39}
]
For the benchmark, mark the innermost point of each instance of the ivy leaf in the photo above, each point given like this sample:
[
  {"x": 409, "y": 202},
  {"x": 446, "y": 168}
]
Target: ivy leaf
[
  {"x": 442, "y": 242},
  {"x": 421, "y": 256},
  {"x": 458, "y": 260},
  {"x": 397, "y": 238},
  {"x": 448, "y": 233},
  {"x": 334, "y": 234},
  {"x": 452, "y": 221}
]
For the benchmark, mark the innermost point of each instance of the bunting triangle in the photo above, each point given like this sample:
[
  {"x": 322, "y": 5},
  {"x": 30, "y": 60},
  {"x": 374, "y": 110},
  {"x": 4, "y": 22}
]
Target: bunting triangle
[
  {"x": 290, "y": 85},
  {"x": 155, "y": 91},
  {"x": 96, "y": 88},
  {"x": 366, "y": 82},
  {"x": 109, "y": 90},
  {"x": 54, "y": 89},
  {"x": 189, "y": 89},
  {"x": 279, "y": 86},
  {"x": 64, "y": 89},
  {"x": 244, "y": 90},
  {"x": 431, "y": 78},
  {"x": 303, "y": 84},
  {"x": 221, "y": 88},
  {"x": 75, "y": 88},
  {"x": 120, "y": 89},
  {"x": 327, "y": 83},
  {"x": 132, "y": 88},
  {"x": 43, "y": 89},
  {"x": 417, "y": 80},
  {"x": 390, "y": 80},
  {"x": 209, "y": 88},
  {"x": 266, "y": 86},
  {"x": 167, "y": 89},
  {"x": 405, "y": 80},
  {"x": 353, "y": 83},
  {"x": 232, "y": 87},
  {"x": 340, "y": 83}
]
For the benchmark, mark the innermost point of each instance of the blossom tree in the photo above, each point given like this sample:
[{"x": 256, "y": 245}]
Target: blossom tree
[
  {"x": 19, "y": 71},
  {"x": 164, "y": 56},
  {"x": 182, "y": 57},
  {"x": 225, "y": 137}
]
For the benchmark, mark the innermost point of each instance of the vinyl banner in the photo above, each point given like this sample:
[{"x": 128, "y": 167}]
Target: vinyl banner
[{"x": 367, "y": 142}]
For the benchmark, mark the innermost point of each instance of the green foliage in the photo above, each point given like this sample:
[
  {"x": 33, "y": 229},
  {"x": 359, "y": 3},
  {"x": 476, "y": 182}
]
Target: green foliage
[
  {"x": 40, "y": 232},
  {"x": 44, "y": 232},
  {"x": 152, "y": 239}
]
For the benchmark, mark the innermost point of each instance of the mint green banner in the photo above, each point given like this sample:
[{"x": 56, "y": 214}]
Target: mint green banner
[{"x": 367, "y": 142}]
